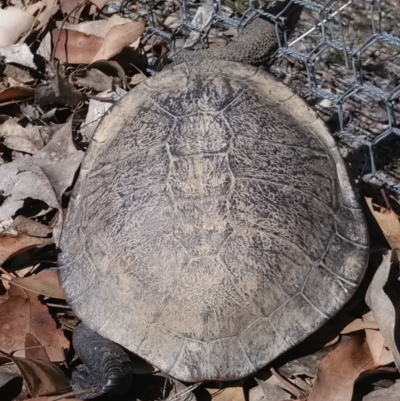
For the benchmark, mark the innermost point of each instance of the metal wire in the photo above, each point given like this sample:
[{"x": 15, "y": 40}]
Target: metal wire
[{"x": 328, "y": 38}]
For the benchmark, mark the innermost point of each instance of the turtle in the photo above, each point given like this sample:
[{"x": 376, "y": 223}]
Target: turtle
[{"x": 213, "y": 225}]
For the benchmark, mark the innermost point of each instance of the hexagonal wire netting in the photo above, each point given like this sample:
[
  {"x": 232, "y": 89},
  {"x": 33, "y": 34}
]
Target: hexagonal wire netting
[{"x": 348, "y": 52}]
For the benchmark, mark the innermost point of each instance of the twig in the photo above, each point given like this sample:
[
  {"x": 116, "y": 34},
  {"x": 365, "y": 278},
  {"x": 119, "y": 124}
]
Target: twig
[
  {"x": 73, "y": 393},
  {"x": 4, "y": 271},
  {"x": 291, "y": 387}
]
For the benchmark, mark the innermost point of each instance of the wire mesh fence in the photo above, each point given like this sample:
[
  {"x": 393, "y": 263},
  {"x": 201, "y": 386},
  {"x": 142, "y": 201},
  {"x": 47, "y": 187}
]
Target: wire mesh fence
[{"x": 344, "y": 58}]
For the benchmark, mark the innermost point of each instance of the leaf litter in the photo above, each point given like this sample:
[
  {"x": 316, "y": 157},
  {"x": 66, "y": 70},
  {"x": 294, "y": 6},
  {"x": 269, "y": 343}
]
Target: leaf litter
[{"x": 53, "y": 106}]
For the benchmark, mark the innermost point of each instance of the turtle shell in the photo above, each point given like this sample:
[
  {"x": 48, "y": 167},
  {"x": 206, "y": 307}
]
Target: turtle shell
[{"x": 213, "y": 225}]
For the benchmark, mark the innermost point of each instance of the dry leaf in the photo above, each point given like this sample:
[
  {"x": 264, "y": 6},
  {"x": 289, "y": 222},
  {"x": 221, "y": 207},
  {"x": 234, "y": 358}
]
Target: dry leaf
[
  {"x": 137, "y": 79},
  {"x": 227, "y": 394},
  {"x": 23, "y": 313},
  {"x": 51, "y": 398},
  {"x": 96, "y": 80},
  {"x": 24, "y": 225},
  {"x": 13, "y": 23},
  {"x": 22, "y": 180},
  {"x": 388, "y": 222},
  {"x": 33, "y": 348},
  {"x": 45, "y": 283},
  {"x": 44, "y": 328},
  {"x": 358, "y": 325},
  {"x": 339, "y": 370},
  {"x": 42, "y": 377},
  {"x": 59, "y": 159},
  {"x": 96, "y": 28},
  {"x": 385, "y": 394},
  {"x": 383, "y": 298},
  {"x": 13, "y": 245},
  {"x": 119, "y": 37},
  {"x": 58, "y": 92},
  {"x": 75, "y": 47},
  {"x": 376, "y": 343},
  {"x": 99, "y": 3},
  {"x": 96, "y": 112},
  {"x": 72, "y": 8},
  {"x": 14, "y": 320},
  {"x": 268, "y": 392},
  {"x": 18, "y": 74},
  {"x": 19, "y": 54},
  {"x": 15, "y": 94},
  {"x": 22, "y": 139}
]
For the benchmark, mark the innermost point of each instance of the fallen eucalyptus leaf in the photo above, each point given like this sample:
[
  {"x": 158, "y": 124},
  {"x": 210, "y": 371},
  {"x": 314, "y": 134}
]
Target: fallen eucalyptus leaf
[
  {"x": 339, "y": 370},
  {"x": 383, "y": 298},
  {"x": 59, "y": 160},
  {"x": 22, "y": 180},
  {"x": 45, "y": 283},
  {"x": 19, "y": 54},
  {"x": 13, "y": 23}
]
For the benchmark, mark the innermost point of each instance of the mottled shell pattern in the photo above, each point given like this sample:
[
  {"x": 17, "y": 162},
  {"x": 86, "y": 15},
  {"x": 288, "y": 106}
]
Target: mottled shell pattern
[{"x": 213, "y": 225}]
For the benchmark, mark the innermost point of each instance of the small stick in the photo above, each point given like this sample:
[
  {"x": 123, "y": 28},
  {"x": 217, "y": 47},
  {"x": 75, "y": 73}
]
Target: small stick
[{"x": 293, "y": 389}]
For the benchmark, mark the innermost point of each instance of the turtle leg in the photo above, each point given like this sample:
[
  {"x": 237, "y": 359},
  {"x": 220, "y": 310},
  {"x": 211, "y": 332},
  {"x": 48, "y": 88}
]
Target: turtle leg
[{"x": 106, "y": 366}]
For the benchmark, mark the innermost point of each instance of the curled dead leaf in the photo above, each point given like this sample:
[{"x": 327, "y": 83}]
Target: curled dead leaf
[
  {"x": 388, "y": 221},
  {"x": 15, "y": 94},
  {"x": 42, "y": 377}
]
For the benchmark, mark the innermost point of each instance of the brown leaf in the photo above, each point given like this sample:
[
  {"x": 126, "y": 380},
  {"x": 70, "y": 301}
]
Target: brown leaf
[
  {"x": 75, "y": 47},
  {"x": 13, "y": 245},
  {"x": 384, "y": 300},
  {"x": 44, "y": 328},
  {"x": 41, "y": 377},
  {"x": 388, "y": 222},
  {"x": 14, "y": 321},
  {"x": 15, "y": 94},
  {"x": 45, "y": 283},
  {"x": 119, "y": 37},
  {"x": 359, "y": 324},
  {"x": 23, "y": 313},
  {"x": 51, "y": 398},
  {"x": 376, "y": 343},
  {"x": 99, "y": 3},
  {"x": 73, "y": 8},
  {"x": 227, "y": 394},
  {"x": 33, "y": 348},
  {"x": 339, "y": 370},
  {"x": 97, "y": 28}
]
